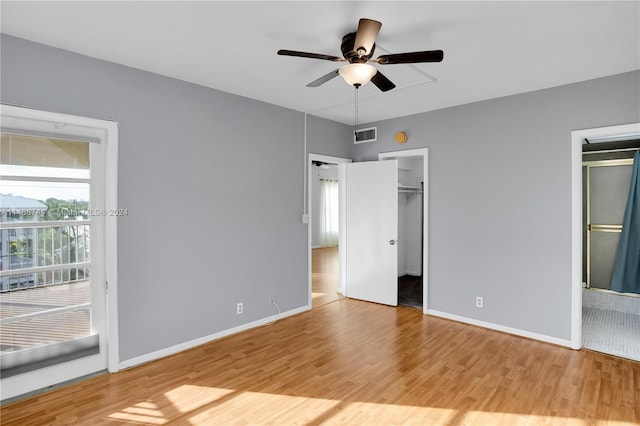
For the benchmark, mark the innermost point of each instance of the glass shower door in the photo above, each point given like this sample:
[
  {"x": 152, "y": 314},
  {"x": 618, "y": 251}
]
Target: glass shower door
[{"x": 607, "y": 189}]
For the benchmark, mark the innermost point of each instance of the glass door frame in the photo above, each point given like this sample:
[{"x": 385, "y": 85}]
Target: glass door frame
[
  {"x": 104, "y": 181},
  {"x": 590, "y": 227}
]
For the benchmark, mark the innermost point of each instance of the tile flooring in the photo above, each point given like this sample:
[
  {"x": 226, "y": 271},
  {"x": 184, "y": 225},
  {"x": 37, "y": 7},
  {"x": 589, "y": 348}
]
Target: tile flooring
[{"x": 611, "y": 323}]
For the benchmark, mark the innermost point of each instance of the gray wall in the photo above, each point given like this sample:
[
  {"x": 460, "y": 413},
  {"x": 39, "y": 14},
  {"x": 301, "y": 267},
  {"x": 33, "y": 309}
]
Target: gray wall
[
  {"x": 500, "y": 197},
  {"x": 213, "y": 183},
  {"x": 196, "y": 169},
  {"x": 326, "y": 137}
]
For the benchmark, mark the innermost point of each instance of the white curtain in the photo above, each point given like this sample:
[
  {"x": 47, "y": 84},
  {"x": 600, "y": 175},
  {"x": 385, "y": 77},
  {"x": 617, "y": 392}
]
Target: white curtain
[{"x": 328, "y": 213}]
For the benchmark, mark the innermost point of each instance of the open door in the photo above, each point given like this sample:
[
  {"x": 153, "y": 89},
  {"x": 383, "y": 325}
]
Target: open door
[{"x": 371, "y": 231}]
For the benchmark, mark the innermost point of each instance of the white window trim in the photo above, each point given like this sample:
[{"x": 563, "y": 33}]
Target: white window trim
[{"x": 91, "y": 130}]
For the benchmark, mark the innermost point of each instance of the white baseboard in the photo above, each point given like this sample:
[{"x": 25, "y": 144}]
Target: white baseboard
[
  {"x": 152, "y": 356},
  {"x": 202, "y": 340},
  {"x": 504, "y": 329}
]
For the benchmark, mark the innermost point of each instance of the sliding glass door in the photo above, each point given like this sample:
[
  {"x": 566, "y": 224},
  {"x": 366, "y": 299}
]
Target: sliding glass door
[
  {"x": 53, "y": 266},
  {"x": 606, "y": 191}
]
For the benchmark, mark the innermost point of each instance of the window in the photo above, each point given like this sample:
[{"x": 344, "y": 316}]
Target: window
[{"x": 329, "y": 217}]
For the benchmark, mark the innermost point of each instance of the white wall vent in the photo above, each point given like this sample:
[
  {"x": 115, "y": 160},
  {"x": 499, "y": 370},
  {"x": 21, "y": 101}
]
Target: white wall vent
[{"x": 366, "y": 135}]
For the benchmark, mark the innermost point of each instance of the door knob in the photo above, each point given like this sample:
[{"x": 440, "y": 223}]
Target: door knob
[{"x": 393, "y": 242}]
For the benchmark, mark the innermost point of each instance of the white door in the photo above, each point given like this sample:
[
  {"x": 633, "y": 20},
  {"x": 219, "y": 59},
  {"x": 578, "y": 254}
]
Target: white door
[{"x": 371, "y": 231}]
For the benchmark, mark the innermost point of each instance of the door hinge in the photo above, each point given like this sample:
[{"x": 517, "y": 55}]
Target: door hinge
[{"x": 106, "y": 287}]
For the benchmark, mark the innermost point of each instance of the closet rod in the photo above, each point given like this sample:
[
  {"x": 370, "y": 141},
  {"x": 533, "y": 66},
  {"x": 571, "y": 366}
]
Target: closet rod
[{"x": 610, "y": 150}]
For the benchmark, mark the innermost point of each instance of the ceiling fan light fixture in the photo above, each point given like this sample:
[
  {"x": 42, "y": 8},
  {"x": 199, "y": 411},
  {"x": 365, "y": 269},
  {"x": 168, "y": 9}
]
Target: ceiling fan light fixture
[
  {"x": 357, "y": 49},
  {"x": 357, "y": 74}
]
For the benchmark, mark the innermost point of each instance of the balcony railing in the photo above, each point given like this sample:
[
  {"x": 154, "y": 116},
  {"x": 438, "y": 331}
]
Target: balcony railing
[
  {"x": 34, "y": 254},
  {"x": 45, "y": 290}
]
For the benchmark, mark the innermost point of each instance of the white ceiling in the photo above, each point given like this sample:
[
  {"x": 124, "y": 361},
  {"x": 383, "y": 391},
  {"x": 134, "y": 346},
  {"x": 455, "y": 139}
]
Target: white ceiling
[{"x": 492, "y": 49}]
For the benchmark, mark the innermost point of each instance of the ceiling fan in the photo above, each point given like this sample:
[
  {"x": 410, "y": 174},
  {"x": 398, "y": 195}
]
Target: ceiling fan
[{"x": 357, "y": 49}]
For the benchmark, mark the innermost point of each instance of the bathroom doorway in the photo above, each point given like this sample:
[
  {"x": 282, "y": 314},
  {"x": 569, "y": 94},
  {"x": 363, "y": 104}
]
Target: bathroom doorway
[{"x": 610, "y": 319}]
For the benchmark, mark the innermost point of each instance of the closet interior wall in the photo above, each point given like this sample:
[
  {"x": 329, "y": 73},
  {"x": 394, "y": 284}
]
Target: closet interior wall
[{"x": 410, "y": 174}]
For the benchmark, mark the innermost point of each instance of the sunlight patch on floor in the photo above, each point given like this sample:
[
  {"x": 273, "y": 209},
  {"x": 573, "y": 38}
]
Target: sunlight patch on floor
[
  {"x": 162, "y": 408},
  {"x": 187, "y": 398},
  {"x": 264, "y": 408},
  {"x": 141, "y": 413},
  {"x": 198, "y": 405}
]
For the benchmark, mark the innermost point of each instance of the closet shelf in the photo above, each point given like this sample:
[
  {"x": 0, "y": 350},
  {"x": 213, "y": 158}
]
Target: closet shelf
[{"x": 405, "y": 188}]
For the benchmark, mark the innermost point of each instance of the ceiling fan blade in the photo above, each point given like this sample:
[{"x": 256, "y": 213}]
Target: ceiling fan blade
[
  {"x": 323, "y": 79},
  {"x": 366, "y": 35},
  {"x": 411, "y": 57},
  {"x": 382, "y": 82},
  {"x": 310, "y": 55}
]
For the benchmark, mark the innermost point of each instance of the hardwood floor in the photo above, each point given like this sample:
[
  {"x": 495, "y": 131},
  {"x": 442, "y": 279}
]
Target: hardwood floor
[
  {"x": 324, "y": 278},
  {"x": 353, "y": 362}
]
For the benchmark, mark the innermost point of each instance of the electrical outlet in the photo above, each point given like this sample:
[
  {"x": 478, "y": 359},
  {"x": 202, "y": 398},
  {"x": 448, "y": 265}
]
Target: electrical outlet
[
  {"x": 239, "y": 308},
  {"x": 479, "y": 302}
]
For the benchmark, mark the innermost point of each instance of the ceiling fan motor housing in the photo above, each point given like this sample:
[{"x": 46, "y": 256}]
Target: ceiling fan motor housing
[{"x": 348, "y": 50}]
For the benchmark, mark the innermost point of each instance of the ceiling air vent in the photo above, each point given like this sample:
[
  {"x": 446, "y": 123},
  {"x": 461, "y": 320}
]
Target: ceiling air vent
[{"x": 366, "y": 135}]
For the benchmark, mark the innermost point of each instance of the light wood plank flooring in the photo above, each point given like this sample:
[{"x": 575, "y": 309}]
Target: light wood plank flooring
[
  {"x": 354, "y": 363},
  {"x": 324, "y": 278}
]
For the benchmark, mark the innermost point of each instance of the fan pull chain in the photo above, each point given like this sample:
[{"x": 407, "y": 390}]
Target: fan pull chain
[{"x": 356, "y": 112}]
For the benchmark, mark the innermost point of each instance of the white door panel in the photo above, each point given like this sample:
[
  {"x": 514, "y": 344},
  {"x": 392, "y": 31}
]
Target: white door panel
[{"x": 371, "y": 210}]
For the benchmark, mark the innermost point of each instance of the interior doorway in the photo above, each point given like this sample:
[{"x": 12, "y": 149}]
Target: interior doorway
[
  {"x": 324, "y": 226},
  {"x": 370, "y": 237},
  {"x": 412, "y": 226},
  {"x": 611, "y": 319},
  {"x": 602, "y": 320}
]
